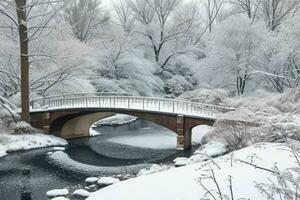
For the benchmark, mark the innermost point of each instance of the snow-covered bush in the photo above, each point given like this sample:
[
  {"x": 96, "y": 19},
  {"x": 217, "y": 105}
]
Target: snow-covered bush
[
  {"x": 177, "y": 85},
  {"x": 22, "y": 127},
  {"x": 262, "y": 118},
  {"x": 208, "y": 96}
]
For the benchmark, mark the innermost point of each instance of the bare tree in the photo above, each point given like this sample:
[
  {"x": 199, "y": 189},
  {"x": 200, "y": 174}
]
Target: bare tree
[
  {"x": 157, "y": 25},
  {"x": 124, "y": 16},
  {"x": 85, "y": 17},
  {"x": 27, "y": 18},
  {"x": 249, "y": 7},
  {"x": 212, "y": 10},
  {"x": 277, "y": 11}
]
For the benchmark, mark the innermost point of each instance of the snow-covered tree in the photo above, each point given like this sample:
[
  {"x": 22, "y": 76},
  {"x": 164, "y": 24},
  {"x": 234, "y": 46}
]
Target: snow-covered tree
[
  {"x": 282, "y": 57},
  {"x": 86, "y": 17},
  {"x": 234, "y": 53}
]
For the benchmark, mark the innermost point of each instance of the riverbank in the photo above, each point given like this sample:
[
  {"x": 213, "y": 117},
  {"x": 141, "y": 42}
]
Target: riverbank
[
  {"x": 251, "y": 173},
  {"x": 11, "y": 143}
]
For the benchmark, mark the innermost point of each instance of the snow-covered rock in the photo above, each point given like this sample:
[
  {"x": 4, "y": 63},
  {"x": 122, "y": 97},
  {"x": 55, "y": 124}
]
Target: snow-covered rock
[
  {"x": 57, "y": 192},
  {"x": 59, "y": 198},
  {"x": 81, "y": 193},
  {"x": 105, "y": 181},
  {"x": 91, "y": 180},
  {"x": 92, "y": 187},
  {"x": 59, "y": 148},
  {"x": 181, "y": 162},
  {"x": 184, "y": 182}
]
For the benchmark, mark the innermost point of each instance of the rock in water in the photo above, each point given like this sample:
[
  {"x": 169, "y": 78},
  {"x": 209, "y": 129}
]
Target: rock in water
[
  {"x": 81, "y": 193},
  {"x": 105, "y": 181},
  {"x": 57, "y": 192}
]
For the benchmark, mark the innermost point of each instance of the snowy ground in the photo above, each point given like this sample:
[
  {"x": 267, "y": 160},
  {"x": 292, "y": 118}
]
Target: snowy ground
[
  {"x": 193, "y": 182},
  {"x": 159, "y": 141},
  {"x": 10, "y": 143}
]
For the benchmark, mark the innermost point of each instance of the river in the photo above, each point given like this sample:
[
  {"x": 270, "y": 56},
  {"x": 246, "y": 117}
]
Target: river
[{"x": 28, "y": 175}]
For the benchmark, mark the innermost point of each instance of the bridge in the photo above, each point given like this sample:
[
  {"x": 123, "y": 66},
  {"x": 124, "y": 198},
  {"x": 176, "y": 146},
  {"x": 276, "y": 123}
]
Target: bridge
[{"x": 71, "y": 115}]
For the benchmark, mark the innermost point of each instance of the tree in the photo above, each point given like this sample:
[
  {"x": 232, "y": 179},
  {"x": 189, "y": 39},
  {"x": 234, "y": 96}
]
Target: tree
[
  {"x": 40, "y": 48},
  {"x": 124, "y": 16},
  {"x": 85, "y": 17},
  {"x": 156, "y": 25},
  {"x": 277, "y": 11},
  {"x": 281, "y": 59},
  {"x": 122, "y": 68},
  {"x": 212, "y": 10},
  {"x": 249, "y": 7},
  {"x": 235, "y": 53}
]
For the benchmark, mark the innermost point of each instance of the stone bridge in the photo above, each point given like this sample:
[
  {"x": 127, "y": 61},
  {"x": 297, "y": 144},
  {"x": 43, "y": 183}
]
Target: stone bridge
[{"x": 71, "y": 115}]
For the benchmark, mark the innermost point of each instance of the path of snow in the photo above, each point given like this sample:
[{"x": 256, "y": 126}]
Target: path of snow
[
  {"x": 10, "y": 143},
  {"x": 183, "y": 183}
]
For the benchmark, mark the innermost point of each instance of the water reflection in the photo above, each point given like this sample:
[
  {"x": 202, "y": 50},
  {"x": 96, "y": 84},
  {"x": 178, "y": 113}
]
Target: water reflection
[{"x": 25, "y": 185}]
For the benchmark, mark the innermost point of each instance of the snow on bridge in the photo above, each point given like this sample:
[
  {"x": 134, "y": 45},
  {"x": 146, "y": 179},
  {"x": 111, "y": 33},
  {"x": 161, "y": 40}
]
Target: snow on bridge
[{"x": 125, "y": 101}]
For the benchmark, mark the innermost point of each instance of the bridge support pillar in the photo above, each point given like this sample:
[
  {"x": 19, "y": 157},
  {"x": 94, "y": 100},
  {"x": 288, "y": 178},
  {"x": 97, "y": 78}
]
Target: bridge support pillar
[{"x": 184, "y": 135}]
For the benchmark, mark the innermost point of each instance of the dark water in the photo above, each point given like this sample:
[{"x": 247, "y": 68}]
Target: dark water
[{"x": 29, "y": 175}]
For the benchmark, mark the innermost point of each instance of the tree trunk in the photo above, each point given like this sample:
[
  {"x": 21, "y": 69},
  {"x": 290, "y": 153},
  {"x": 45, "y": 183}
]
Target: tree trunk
[{"x": 23, "y": 36}]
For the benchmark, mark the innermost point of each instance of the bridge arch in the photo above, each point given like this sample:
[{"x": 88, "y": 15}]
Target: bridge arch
[{"x": 75, "y": 124}]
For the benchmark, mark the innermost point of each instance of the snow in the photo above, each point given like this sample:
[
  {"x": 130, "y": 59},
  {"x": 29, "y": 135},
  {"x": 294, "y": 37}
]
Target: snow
[
  {"x": 153, "y": 169},
  {"x": 57, "y": 192},
  {"x": 198, "y": 132},
  {"x": 182, "y": 162},
  {"x": 91, "y": 180},
  {"x": 117, "y": 119},
  {"x": 10, "y": 143},
  {"x": 81, "y": 193},
  {"x": 137, "y": 103},
  {"x": 59, "y": 148},
  {"x": 3, "y": 150},
  {"x": 92, "y": 132},
  {"x": 59, "y": 198},
  {"x": 62, "y": 160},
  {"x": 183, "y": 183},
  {"x": 105, "y": 181},
  {"x": 212, "y": 148}
]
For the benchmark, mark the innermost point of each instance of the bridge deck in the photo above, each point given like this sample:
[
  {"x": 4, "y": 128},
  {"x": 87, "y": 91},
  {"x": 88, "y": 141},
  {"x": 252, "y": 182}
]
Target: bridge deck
[{"x": 160, "y": 105}]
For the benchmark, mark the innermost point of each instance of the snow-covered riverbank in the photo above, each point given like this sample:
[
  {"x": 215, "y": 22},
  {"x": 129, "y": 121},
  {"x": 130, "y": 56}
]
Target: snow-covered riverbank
[
  {"x": 239, "y": 171},
  {"x": 10, "y": 143}
]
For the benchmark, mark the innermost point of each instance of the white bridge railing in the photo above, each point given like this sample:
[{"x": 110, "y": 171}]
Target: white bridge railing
[{"x": 126, "y": 101}]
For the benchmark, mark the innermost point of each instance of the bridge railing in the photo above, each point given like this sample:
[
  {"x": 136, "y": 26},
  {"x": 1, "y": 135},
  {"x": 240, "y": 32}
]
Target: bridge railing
[
  {"x": 45, "y": 101},
  {"x": 130, "y": 102}
]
